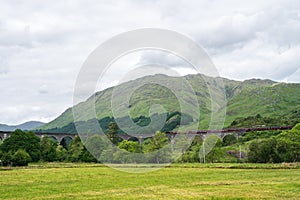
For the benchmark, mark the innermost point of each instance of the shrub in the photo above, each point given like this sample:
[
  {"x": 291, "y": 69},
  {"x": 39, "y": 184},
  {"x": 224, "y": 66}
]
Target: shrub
[
  {"x": 6, "y": 158},
  {"x": 21, "y": 158}
]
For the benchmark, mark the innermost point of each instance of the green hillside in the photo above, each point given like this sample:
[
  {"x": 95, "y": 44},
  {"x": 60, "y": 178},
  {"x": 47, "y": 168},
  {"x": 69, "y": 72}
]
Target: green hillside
[{"x": 279, "y": 102}]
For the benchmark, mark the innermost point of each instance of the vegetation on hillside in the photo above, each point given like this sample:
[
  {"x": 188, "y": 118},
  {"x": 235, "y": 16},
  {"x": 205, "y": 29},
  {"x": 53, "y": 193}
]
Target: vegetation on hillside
[
  {"x": 173, "y": 121},
  {"x": 275, "y": 102}
]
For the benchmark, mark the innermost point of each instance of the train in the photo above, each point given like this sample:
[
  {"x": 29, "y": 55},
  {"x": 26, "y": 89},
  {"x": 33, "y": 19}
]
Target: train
[{"x": 234, "y": 130}]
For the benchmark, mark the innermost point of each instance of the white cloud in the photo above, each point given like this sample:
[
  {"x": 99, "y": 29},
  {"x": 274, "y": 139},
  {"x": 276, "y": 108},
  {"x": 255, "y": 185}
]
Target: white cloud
[{"x": 43, "y": 44}]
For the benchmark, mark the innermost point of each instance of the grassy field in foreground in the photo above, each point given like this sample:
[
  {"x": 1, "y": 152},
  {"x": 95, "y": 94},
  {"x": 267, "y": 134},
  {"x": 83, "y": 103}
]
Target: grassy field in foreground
[{"x": 195, "y": 181}]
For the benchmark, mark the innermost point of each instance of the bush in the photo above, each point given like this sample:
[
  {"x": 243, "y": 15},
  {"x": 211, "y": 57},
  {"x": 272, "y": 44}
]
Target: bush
[
  {"x": 229, "y": 140},
  {"x": 21, "y": 158},
  {"x": 6, "y": 158},
  {"x": 263, "y": 151}
]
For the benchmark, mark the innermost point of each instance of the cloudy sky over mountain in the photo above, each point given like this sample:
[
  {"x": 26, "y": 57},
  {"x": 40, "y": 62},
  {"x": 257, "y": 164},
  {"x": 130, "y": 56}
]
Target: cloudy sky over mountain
[{"x": 43, "y": 44}]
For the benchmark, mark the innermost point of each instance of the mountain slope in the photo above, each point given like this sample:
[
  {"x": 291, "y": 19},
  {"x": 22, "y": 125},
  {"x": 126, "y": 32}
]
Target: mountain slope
[
  {"x": 247, "y": 98},
  {"x": 25, "y": 126}
]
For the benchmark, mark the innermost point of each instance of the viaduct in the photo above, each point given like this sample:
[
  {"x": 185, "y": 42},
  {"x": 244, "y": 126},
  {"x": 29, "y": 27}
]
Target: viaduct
[{"x": 59, "y": 137}]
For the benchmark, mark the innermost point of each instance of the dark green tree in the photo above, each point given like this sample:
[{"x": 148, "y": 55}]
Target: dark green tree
[
  {"x": 216, "y": 153},
  {"x": 192, "y": 155},
  {"x": 229, "y": 140},
  {"x": 21, "y": 158},
  {"x": 75, "y": 150},
  {"x": 86, "y": 156},
  {"x": 6, "y": 158},
  {"x": 95, "y": 144},
  {"x": 181, "y": 145},
  {"x": 23, "y": 140},
  {"x": 107, "y": 155},
  {"x": 1, "y": 160},
  {"x": 78, "y": 153},
  {"x": 157, "y": 144},
  {"x": 112, "y": 132},
  {"x": 288, "y": 145},
  {"x": 66, "y": 142},
  {"x": 197, "y": 140},
  {"x": 61, "y": 153},
  {"x": 48, "y": 149},
  {"x": 263, "y": 151}
]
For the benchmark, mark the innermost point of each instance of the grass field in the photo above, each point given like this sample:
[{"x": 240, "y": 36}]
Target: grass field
[{"x": 191, "y": 181}]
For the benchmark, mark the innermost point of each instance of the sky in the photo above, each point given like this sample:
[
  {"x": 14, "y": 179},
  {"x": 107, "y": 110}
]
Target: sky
[{"x": 43, "y": 44}]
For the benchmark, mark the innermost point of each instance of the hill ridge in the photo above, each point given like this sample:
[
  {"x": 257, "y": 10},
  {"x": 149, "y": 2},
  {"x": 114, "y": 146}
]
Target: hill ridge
[{"x": 244, "y": 98}]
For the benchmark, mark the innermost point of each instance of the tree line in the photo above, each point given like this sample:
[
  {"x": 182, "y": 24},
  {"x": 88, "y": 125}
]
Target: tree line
[
  {"x": 284, "y": 147},
  {"x": 24, "y": 147}
]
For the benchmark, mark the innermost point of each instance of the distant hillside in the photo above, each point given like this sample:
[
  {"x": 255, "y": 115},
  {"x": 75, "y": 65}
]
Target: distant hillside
[
  {"x": 25, "y": 126},
  {"x": 253, "y": 97}
]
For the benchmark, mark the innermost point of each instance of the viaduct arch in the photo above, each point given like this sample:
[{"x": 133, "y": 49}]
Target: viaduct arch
[{"x": 59, "y": 137}]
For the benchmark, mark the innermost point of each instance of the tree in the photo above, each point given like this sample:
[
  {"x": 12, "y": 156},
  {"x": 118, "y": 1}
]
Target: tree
[
  {"x": 197, "y": 140},
  {"x": 127, "y": 152},
  {"x": 6, "y": 158},
  {"x": 95, "y": 144},
  {"x": 157, "y": 144},
  {"x": 107, "y": 154},
  {"x": 229, "y": 140},
  {"x": 112, "y": 132},
  {"x": 78, "y": 153},
  {"x": 23, "y": 140},
  {"x": 86, "y": 156},
  {"x": 130, "y": 146},
  {"x": 61, "y": 153},
  {"x": 296, "y": 128},
  {"x": 181, "y": 145},
  {"x": 288, "y": 145},
  {"x": 48, "y": 149},
  {"x": 21, "y": 158},
  {"x": 284, "y": 147},
  {"x": 263, "y": 151},
  {"x": 1, "y": 155},
  {"x": 216, "y": 152},
  {"x": 65, "y": 142},
  {"x": 192, "y": 155},
  {"x": 75, "y": 150}
]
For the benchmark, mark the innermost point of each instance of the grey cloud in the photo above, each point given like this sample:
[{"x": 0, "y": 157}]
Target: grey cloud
[
  {"x": 19, "y": 37},
  {"x": 162, "y": 58},
  {"x": 43, "y": 44},
  {"x": 294, "y": 77}
]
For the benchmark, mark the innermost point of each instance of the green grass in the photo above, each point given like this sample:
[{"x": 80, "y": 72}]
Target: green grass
[{"x": 179, "y": 181}]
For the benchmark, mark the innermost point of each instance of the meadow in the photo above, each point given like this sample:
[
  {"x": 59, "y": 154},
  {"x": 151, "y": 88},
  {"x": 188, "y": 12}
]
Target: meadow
[{"x": 178, "y": 181}]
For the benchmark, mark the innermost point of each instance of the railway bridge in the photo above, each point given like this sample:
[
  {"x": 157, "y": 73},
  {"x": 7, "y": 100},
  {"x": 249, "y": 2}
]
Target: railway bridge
[
  {"x": 59, "y": 137},
  {"x": 237, "y": 132}
]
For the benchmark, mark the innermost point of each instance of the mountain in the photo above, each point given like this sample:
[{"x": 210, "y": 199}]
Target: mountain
[
  {"x": 25, "y": 126},
  {"x": 253, "y": 97}
]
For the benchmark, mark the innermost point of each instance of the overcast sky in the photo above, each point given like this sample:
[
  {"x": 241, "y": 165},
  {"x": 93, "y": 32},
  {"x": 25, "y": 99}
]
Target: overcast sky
[{"x": 43, "y": 44}]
